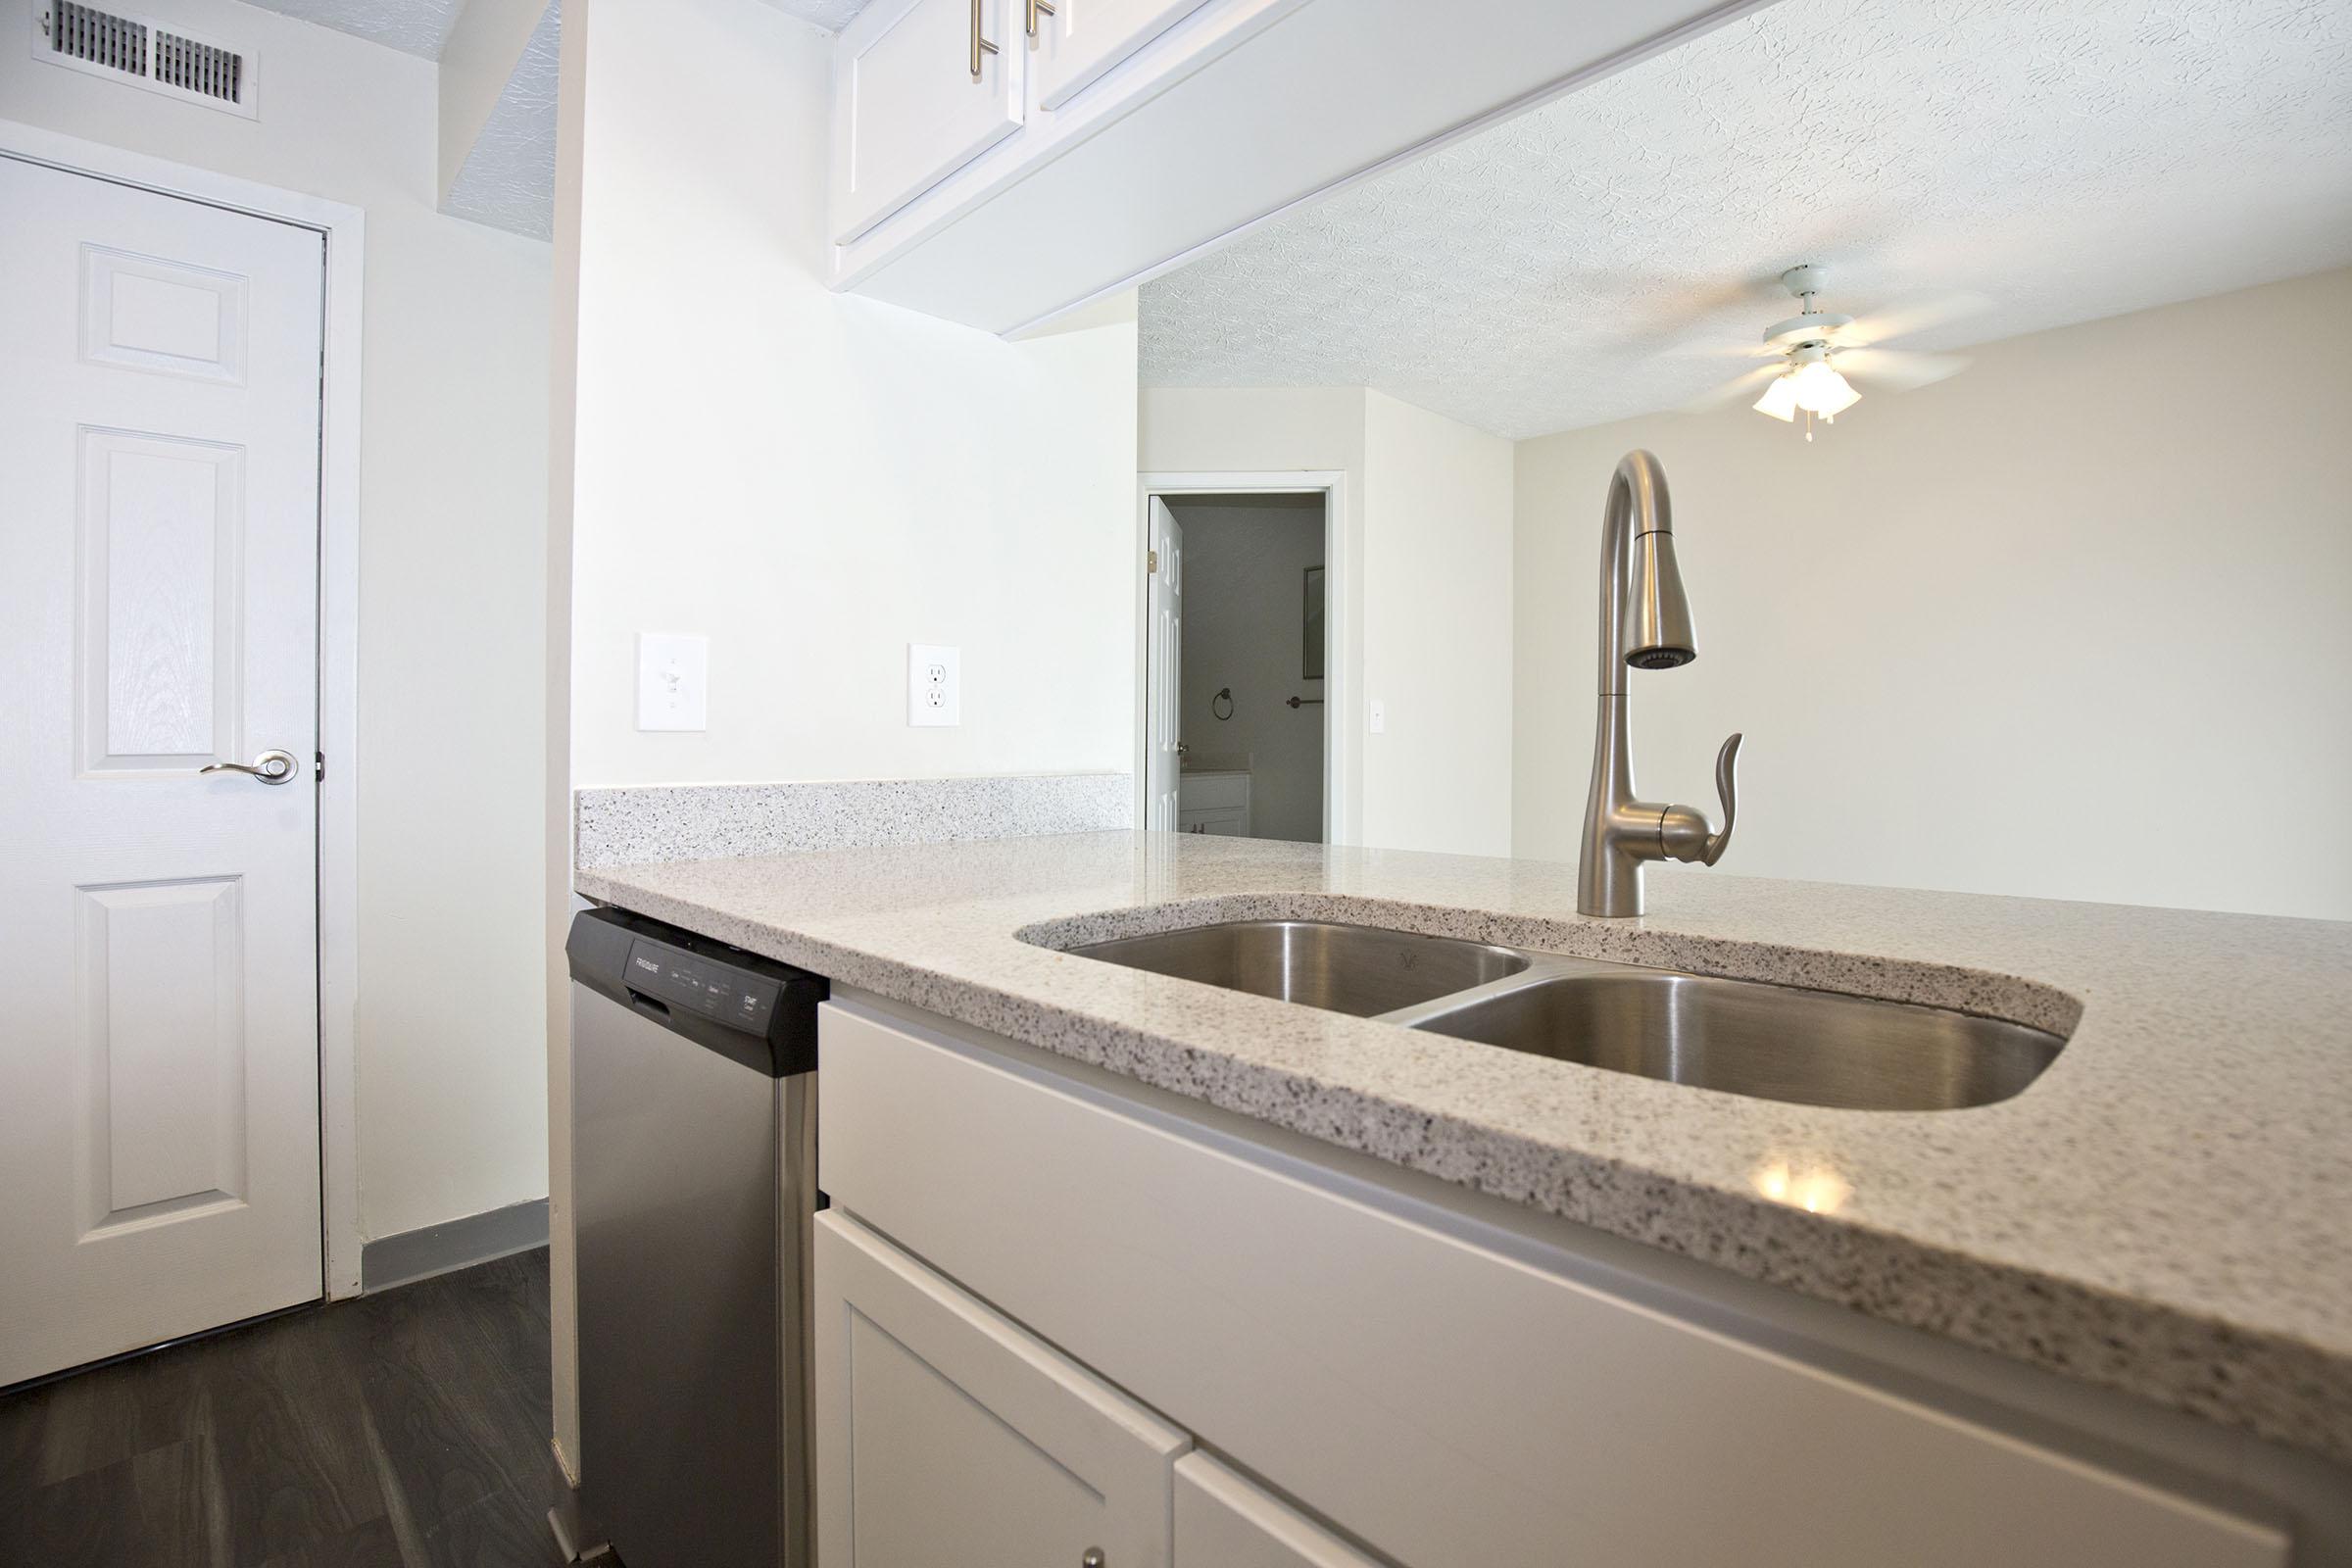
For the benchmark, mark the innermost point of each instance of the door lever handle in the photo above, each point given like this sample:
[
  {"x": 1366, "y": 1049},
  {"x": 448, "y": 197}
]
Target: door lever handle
[{"x": 271, "y": 767}]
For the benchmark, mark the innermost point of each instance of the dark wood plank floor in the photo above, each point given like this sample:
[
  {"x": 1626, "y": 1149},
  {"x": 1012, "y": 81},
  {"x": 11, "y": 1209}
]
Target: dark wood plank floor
[{"x": 407, "y": 1430}]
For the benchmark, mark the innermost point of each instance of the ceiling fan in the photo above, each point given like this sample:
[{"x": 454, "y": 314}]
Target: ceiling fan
[{"x": 1815, "y": 351}]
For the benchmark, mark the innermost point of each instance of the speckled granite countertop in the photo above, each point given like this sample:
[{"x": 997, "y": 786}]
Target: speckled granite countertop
[{"x": 2167, "y": 1210}]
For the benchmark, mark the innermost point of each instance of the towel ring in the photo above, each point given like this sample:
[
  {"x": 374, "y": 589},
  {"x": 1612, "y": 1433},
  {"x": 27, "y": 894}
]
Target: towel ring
[{"x": 1225, "y": 696}]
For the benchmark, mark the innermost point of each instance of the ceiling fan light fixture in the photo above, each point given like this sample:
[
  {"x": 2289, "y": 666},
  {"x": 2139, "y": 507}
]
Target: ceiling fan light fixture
[
  {"x": 1780, "y": 398},
  {"x": 1817, "y": 388}
]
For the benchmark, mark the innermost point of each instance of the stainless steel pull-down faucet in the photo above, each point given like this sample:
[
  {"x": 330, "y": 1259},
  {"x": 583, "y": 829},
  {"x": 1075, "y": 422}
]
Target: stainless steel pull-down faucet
[{"x": 1644, "y": 623}]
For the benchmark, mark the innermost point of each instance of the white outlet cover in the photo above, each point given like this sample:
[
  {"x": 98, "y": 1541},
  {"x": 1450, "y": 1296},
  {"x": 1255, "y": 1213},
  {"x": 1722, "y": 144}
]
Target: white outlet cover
[
  {"x": 933, "y": 685},
  {"x": 673, "y": 681}
]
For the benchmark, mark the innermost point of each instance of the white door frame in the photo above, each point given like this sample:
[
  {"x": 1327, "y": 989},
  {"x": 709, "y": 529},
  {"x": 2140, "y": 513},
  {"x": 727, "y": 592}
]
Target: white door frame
[
  {"x": 343, "y": 228},
  {"x": 1339, "y": 680}
]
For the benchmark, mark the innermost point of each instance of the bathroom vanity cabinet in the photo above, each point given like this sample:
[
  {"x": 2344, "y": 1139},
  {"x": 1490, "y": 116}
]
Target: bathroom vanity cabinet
[{"x": 1065, "y": 1313}]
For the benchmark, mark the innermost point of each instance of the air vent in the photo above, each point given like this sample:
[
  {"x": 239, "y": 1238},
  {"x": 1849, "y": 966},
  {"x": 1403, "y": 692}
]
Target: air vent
[{"x": 142, "y": 52}]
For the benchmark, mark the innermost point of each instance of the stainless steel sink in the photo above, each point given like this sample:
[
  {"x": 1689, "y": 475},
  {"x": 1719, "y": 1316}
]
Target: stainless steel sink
[
  {"x": 1811, "y": 1047},
  {"x": 1346, "y": 968},
  {"x": 1744, "y": 1036}
]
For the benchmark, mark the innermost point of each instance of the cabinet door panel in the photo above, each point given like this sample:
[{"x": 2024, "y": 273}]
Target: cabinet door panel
[
  {"x": 1085, "y": 38},
  {"x": 1224, "y": 1522},
  {"x": 906, "y": 111},
  {"x": 947, "y": 1437},
  {"x": 1444, "y": 1399}
]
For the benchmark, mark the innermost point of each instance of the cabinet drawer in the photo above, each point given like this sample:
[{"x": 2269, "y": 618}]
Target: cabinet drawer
[
  {"x": 946, "y": 1436},
  {"x": 907, "y": 112},
  {"x": 1084, "y": 38},
  {"x": 1222, "y": 1521},
  {"x": 1443, "y": 1401}
]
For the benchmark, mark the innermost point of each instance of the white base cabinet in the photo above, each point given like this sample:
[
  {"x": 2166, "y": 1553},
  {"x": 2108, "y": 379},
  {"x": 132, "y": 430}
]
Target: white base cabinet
[
  {"x": 947, "y": 1438},
  {"x": 1222, "y": 1521},
  {"x": 1440, "y": 1377}
]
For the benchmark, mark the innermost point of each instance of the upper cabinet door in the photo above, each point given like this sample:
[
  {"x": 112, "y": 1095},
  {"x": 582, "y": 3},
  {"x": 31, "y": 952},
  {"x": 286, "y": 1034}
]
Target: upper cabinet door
[
  {"x": 920, "y": 88},
  {"x": 1084, "y": 38}
]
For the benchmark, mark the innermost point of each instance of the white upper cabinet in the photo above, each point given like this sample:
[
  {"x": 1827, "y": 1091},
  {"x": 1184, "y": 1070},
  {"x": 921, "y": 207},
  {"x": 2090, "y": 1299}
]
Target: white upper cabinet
[
  {"x": 920, "y": 88},
  {"x": 1077, "y": 40},
  {"x": 1116, "y": 137}
]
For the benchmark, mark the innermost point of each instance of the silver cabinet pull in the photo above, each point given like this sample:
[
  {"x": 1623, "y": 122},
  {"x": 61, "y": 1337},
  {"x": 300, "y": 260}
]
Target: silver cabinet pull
[
  {"x": 271, "y": 767},
  {"x": 980, "y": 46},
  {"x": 1092, "y": 1559},
  {"x": 1036, "y": 9}
]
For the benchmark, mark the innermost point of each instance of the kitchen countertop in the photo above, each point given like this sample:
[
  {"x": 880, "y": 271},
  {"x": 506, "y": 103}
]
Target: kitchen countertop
[{"x": 2168, "y": 1210}]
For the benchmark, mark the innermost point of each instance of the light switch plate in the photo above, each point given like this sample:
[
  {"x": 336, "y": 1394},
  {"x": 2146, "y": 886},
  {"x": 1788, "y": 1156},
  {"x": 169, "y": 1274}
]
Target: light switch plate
[
  {"x": 1376, "y": 718},
  {"x": 933, "y": 685},
  {"x": 673, "y": 681}
]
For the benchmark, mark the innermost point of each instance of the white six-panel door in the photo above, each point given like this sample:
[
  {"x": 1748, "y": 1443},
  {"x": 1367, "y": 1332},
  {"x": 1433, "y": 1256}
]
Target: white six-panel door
[{"x": 159, "y": 527}]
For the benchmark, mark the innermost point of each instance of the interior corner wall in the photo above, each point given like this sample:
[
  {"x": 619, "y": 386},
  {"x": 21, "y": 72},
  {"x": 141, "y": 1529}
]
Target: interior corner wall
[
  {"x": 810, "y": 479},
  {"x": 2070, "y": 625},
  {"x": 1428, "y": 528},
  {"x": 450, "y": 1065},
  {"x": 1438, "y": 613}
]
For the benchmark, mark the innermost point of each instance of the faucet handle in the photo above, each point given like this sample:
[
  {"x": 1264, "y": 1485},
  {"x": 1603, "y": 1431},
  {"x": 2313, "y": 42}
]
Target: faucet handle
[{"x": 1727, "y": 789}]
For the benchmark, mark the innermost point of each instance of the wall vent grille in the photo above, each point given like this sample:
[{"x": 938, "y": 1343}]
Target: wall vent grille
[{"x": 142, "y": 52}]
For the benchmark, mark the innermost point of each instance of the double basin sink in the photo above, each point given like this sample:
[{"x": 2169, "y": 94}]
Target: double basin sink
[{"x": 1744, "y": 1036}]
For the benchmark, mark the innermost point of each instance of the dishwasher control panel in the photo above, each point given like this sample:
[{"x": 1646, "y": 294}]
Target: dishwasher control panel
[{"x": 720, "y": 991}]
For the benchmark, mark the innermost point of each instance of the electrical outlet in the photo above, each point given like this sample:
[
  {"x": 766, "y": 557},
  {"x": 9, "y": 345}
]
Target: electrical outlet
[
  {"x": 673, "y": 681},
  {"x": 933, "y": 685}
]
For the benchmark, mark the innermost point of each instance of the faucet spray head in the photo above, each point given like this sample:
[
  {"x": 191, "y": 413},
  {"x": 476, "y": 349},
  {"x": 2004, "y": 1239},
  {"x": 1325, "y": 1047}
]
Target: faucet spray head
[{"x": 1658, "y": 634}]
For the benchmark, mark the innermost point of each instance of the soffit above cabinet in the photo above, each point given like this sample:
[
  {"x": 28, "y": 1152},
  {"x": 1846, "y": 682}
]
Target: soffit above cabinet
[
  {"x": 1592, "y": 260},
  {"x": 421, "y": 26},
  {"x": 508, "y": 177}
]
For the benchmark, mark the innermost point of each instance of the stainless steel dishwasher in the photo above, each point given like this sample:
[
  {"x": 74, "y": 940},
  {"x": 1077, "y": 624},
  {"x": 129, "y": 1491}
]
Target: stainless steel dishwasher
[{"x": 694, "y": 1192}]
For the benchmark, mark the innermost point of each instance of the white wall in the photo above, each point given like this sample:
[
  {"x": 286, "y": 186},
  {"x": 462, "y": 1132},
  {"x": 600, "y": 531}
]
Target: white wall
[
  {"x": 2073, "y": 624},
  {"x": 450, "y": 1064},
  {"x": 1427, "y": 524},
  {"x": 813, "y": 481},
  {"x": 1438, "y": 614},
  {"x": 1244, "y": 593}
]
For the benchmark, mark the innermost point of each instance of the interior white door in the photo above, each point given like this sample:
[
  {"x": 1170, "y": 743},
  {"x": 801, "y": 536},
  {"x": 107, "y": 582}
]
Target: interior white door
[
  {"x": 1164, "y": 661},
  {"x": 159, "y": 433}
]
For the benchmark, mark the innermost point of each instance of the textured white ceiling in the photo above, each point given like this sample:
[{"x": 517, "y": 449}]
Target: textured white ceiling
[
  {"x": 1593, "y": 260},
  {"x": 509, "y": 179},
  {"x": 830, "y": 15},
  {"x": 412, "y": 26}
]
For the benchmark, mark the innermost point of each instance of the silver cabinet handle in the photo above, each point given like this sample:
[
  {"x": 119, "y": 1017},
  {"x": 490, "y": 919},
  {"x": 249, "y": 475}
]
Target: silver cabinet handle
[
  {"x": 1036, "y": 9},
  {"x": 980, "y": 46},
  {"x": 1092, "y": 1559},
  {"x": 271, "y": 767}
]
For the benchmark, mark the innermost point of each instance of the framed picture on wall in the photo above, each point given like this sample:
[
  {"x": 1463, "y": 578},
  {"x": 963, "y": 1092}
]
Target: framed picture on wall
[{"x": 1311, "y": 623}]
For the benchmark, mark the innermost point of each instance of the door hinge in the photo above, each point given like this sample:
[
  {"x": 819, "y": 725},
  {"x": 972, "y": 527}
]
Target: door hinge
[
  {"x": 1155, "y": 562},
  {"x": 318, "y": 773}
]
